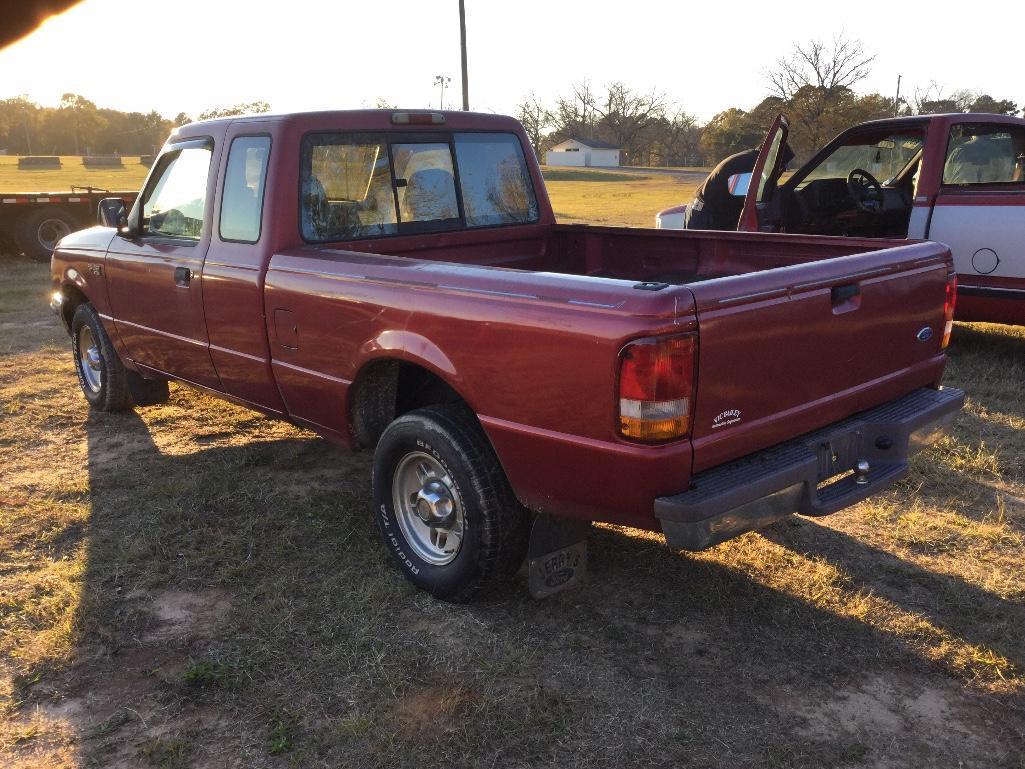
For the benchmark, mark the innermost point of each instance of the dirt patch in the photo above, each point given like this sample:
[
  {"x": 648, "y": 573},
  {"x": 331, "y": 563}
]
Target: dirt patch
[
  {"x": 429, "y": 713},
  {"x": 894, "y": 714},
  {"x": 184, "y": 616}
]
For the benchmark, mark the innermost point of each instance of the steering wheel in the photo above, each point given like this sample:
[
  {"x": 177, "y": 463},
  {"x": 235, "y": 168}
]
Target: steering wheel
[{"x": 866, "y": 191}]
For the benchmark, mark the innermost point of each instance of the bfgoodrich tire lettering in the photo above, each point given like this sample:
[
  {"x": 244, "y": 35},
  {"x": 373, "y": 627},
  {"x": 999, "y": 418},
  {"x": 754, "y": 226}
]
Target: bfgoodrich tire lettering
[{"x": 460, "y": 466}]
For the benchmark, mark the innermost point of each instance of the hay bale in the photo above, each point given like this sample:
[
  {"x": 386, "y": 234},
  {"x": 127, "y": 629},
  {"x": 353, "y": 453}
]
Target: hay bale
[
  {"x": 102, "y": 161},
  {"x": 39, "y": 161}
]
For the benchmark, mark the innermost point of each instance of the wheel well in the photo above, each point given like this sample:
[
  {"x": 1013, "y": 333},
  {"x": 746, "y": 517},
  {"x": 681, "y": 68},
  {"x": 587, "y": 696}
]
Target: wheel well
[
  {"x": 73, "y": 297},
  {"x": 388, "y": 389}
]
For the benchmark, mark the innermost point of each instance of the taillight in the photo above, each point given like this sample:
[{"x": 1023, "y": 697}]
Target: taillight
[
  {"x": 948, "y": 310},
  {"x": 656, "y": 388}
]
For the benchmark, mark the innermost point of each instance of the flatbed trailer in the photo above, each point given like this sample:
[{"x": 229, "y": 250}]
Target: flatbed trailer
[{"x": 33, "y": 223}]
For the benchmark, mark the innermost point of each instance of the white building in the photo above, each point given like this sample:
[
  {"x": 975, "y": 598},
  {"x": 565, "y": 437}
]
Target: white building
[{"x": 583, "y": 152}]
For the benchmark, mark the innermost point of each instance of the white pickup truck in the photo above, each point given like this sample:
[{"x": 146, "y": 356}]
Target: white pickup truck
[{"x": 958, "y": 179}]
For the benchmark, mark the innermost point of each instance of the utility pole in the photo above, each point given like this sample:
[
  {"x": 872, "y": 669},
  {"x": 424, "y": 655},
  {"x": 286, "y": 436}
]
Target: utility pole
[
  {"x": 462, "y": 47},
  {"x": 442, "y": 81},
  {"x": 896, "y": 99}
]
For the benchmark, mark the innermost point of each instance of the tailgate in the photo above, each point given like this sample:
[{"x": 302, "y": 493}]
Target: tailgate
[{"x": 785, "y": 351}]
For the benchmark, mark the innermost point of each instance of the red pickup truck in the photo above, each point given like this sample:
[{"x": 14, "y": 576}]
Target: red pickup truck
[{"x": 396, "y": 281}]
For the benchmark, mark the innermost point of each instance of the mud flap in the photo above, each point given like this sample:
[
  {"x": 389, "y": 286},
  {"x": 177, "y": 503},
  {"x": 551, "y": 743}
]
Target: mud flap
[{"x": 557, "y": 555}]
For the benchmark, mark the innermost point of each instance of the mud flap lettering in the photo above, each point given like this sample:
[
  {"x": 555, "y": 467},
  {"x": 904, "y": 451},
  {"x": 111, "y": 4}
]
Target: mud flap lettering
[{"x": 557, "y": 556}]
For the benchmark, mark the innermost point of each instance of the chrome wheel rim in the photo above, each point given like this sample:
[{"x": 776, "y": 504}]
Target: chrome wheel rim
[
  {"x": 50, "y": 232},
  {"x": 428, "y": 508},
  {"x": 89, "y": 362}
]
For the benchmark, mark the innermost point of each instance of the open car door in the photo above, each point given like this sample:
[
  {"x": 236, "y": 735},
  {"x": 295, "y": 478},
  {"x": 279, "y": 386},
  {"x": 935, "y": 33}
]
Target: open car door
[{"x": 764, "y": 176}]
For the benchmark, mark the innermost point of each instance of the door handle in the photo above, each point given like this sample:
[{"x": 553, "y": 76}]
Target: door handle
[{"x": 182, "y": 276}]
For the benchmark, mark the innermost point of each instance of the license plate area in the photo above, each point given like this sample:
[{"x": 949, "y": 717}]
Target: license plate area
[{"x": 837, "y": 456}]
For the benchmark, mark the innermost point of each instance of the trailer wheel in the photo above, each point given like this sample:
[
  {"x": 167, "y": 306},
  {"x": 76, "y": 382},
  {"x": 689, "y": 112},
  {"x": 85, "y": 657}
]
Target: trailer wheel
[
  {"x": 445, "y": 510},
  {"x": 38, "y": 234}
]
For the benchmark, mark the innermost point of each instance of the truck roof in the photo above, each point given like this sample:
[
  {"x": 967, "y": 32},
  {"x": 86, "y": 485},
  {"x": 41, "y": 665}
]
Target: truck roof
[
  {"x": 947, "y": 117},
  {"x": 361, "y": 119}
]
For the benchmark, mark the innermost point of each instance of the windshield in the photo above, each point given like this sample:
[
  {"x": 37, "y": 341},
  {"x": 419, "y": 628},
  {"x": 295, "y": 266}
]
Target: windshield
[{"x": 882, "y": 155}]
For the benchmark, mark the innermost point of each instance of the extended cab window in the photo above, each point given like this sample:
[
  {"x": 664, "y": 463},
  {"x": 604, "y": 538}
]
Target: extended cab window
[
  {"x": 176, "y": 202},
  {"x": 494, "y": 179},
  {"x": 985, "y": 154},
  {"x": 346, "y": 188},
  {"x": 244, "y": 179},
  {"x": 425, "y": 182}
]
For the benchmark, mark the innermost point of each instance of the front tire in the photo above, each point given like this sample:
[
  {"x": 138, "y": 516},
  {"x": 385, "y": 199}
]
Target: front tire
[
  {"x": 445, "y": 510},
  {"x": 102, "y": 375}
]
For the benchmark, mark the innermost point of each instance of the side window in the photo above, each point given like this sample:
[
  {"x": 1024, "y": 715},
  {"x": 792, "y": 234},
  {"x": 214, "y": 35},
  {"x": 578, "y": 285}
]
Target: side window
[
  {"x": 244, "y": 181},
  {"x": 425, "y": 182},
  {"x": 345, "y": 188},
  {"x": 985, "y": 154},
  {"x": 176, "y": 203},
  {"x": 494, "y": 180}
]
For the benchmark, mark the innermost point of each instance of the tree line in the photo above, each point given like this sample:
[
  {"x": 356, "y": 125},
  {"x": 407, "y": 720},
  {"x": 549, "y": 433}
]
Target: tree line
[
  {"x": 815, "y": 86},
  {"x": 78, "y": 127}
]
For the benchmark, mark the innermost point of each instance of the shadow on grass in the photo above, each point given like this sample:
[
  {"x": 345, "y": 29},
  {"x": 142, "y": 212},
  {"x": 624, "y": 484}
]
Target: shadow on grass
[{"x": 311, "y": 644}]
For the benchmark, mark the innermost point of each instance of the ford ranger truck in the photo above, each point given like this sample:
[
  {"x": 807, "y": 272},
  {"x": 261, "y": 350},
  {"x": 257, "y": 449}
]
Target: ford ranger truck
[{"x": 396, "y": 281}]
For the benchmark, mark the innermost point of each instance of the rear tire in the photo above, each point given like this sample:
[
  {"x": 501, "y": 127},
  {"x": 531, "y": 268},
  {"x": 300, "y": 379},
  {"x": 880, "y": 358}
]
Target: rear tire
[
  {"x": 39, "y": 233},
  {"x": 101, "y": 374},
  {"x": 445, "y": 510}
]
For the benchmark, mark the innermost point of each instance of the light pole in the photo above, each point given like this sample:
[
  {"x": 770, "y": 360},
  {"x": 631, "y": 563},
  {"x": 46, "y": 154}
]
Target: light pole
[
  {"x": 442, "y": 81},
  {"x": 462, "y": 51}
]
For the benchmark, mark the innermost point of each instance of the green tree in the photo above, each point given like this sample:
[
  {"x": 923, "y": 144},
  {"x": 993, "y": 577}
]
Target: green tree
[
  {"x": 731, "y": 131},
  {"x": 76, "y": 119},
  {"x": 250, "y": 108}
]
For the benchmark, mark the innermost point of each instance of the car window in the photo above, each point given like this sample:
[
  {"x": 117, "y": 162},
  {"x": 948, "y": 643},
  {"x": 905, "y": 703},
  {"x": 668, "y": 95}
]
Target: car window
[
  {"x": 883, "y": 155},
  {"x": 494, "y": 180},
  {"x": 244, "y": 180},
  {"x": 985, "y": 154},
  {"x": 425, "y": 182},
  {"x": 346, "y": 188},
  {"x": 176, "y": 202}
]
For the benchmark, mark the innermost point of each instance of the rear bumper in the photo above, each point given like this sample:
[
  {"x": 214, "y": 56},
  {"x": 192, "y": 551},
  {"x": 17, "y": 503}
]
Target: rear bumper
[{"x": 756, "y": 490}]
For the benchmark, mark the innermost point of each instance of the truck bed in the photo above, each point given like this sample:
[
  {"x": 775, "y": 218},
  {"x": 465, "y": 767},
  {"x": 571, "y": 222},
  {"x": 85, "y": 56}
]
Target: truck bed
[{"x": 795, "y": 333}]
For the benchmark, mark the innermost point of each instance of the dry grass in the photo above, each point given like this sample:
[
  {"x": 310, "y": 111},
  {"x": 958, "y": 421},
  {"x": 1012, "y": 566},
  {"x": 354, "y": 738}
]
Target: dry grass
[
  {"x": 13, "y": 179},
  {"x": 193, "y": 585},
  {"x": 630, "y": 198}
]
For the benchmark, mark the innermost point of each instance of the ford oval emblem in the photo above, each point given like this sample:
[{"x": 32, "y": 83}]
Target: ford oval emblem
[{"x": 925, "y": 334}]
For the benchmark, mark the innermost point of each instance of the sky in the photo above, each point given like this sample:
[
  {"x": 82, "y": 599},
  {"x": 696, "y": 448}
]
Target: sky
[{"x": 192, "y": 55}]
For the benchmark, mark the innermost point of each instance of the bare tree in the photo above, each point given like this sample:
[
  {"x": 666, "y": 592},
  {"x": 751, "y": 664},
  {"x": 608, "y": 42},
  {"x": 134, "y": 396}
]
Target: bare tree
[
  {"x": 816, "y": 87},
  {"x": 536, "y": 119},
  {"x": 842, "y": 65},
  {"x": 618, "y": 115}
]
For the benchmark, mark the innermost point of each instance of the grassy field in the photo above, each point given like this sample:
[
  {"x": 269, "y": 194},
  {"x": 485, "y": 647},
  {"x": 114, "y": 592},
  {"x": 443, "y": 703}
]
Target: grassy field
[
  {"x": 191, "y": 585},
  {"x": 72, "y": 172},
  {"x": 583, "y": 195}
]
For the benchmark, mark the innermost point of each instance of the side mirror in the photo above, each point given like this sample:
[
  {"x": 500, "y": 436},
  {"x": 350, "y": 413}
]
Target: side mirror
[
  {"x": 111, "y": 213},
  {"x": 738, "y": 184}
]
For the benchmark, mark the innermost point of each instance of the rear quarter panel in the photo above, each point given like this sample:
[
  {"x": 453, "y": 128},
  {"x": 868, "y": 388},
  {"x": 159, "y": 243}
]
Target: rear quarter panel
[{"x": 534, "y": 355}]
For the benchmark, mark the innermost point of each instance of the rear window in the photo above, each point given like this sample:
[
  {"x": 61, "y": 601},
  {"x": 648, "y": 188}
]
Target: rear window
[
  {"x": 985, "y": 154},
  {"x": 355, "y": 186},
  {"x": 493, "y": 175}
]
